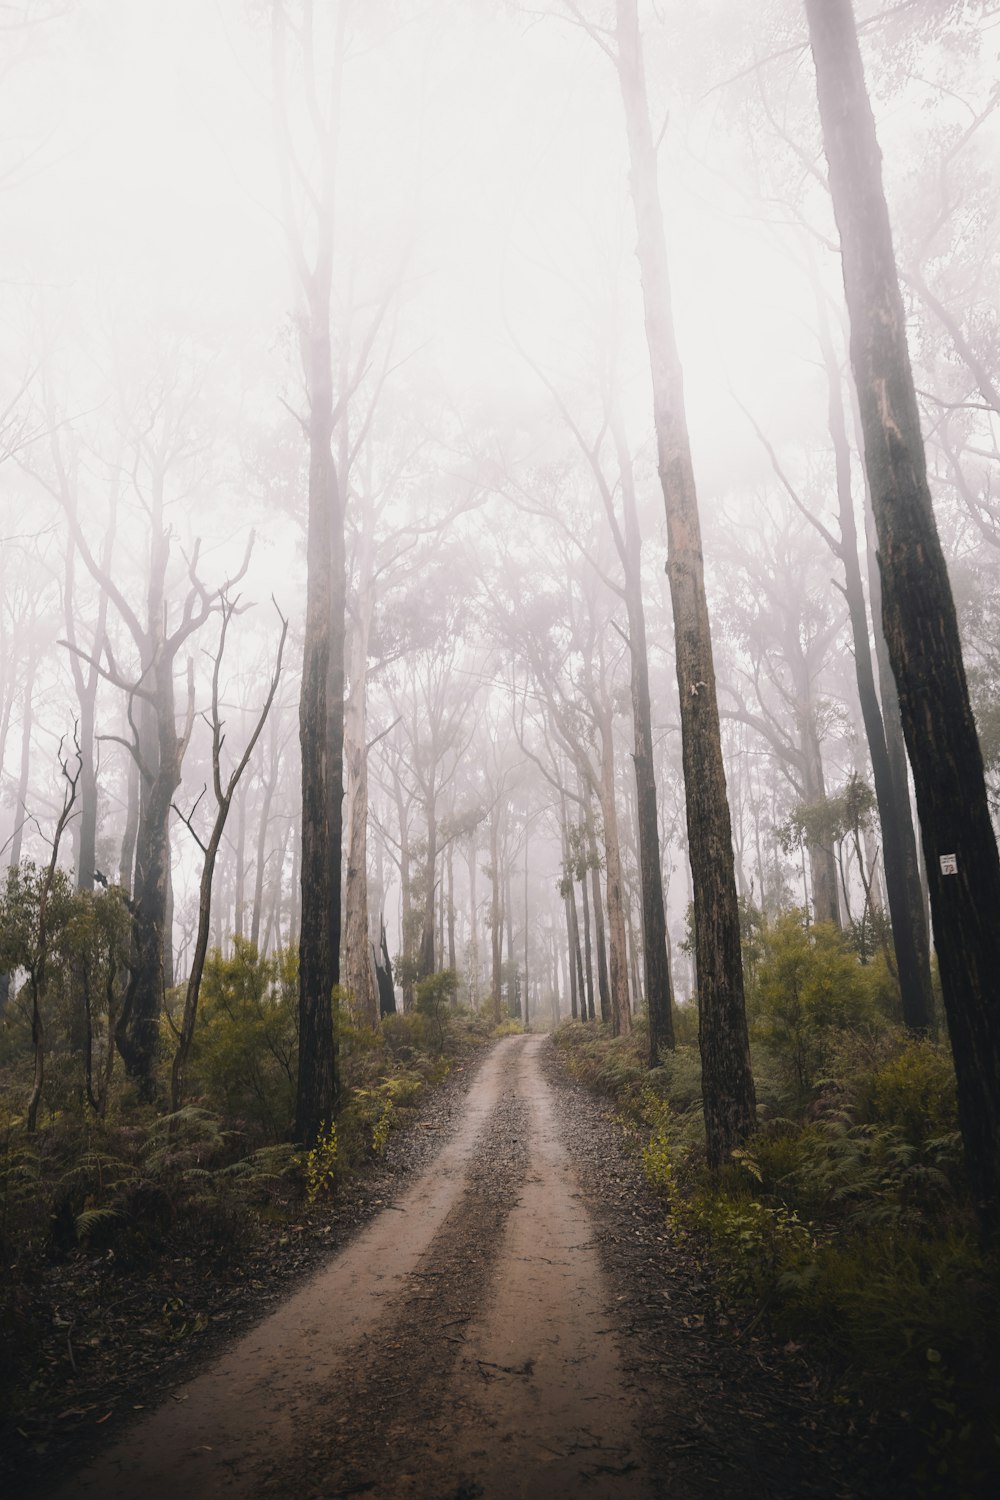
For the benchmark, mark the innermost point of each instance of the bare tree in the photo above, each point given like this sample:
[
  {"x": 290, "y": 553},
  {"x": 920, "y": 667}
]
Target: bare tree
[{"x": 223, "y": 791}]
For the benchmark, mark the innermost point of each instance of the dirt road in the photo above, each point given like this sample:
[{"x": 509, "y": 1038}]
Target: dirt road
[
  {"x": 517, "y": 1323},
  {"x": 460, "y": 1346}
]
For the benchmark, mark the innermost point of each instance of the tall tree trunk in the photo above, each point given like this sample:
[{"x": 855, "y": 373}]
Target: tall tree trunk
[
  {"x": 452, "y": 959},
  {"x": 20, "y": 806},
  {"x": 263, "y": 824},
  {"x": 319, "y": 868},
  {"x": 621, "y": 1015},
  {"x": 513, "y": 997},
  {"x": 473, "y": 926},
  {"x": 441, "y": 903},
  {"x": 496, "y": 931},
  {"x": 575, "y": 958},
  {"x": 600, "y": 944},
  {"x": 573, "y": 950},
  {"x": 137, "y": 1032},
  {"x": 321, "y": 701},
  {"x": 429, "y": 885},
  {"x": 527, "y": 1010},
  {"x": 126, "y": 866},
  {"x": 918, "y": 611},
  {"x": 654, "y": 923},
  {"x": 24, "y": 767},
  {"x": 358, "y": 977},
  {"x": 240, "y": 873},
  {"x": 587, "y": 1011},
  {"x": 911, "y": 940},
  {"x": 822, "y": 857},
  {"x": 727, "y": 1082}
]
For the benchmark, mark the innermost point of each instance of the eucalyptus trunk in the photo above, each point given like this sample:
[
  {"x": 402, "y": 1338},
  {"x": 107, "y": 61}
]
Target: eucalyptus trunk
[
  {"x": 910, "y": 938},
  {"x": 727, "y": 1082},
  {"x": 654, "y": 924},
  {"x": 358, "y": 976},
  {"x": 918, "y": 611}
]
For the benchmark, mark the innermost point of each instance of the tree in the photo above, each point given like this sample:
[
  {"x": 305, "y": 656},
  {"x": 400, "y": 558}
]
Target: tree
[
  {"x": 910, "y": 936},
  {"x": 788, "y": 632},
  {"x": 163, "y": 438},
  {"x": 918, "y": 611},
  {"x": 729, "y": 1098},
  {"x": 35, "y": 903},
  {"x": 626, "y": 535},
  {"x": 223, "y": 791},
  {"x": 321, "y": 702}
]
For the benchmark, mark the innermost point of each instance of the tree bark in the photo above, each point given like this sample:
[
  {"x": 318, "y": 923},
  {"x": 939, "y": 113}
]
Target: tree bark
[
  {"x": 654, "y": 923},
  {"x": 600, "y": 941},
  {"x": 918, "y": 611},
  {"x": 617, "y": 978},
  {"x": 358, "y": 977},
  {"x": 727, "y": 1082},
  {"x": 911, "y": 940},
  {"x": 587, "y": 1011},
  {"x": 496, "y": 933},
  {"x": 473, "y": 926},
  {"x": 321, "y": 702},
  {"x": 319, "y": 867}
]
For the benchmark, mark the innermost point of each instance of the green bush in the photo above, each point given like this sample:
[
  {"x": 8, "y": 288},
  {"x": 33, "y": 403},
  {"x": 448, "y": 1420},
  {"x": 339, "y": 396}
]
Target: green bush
[
  {"x": 433, "y": 998},
  {"x": 915, "y": 1090},
  {"x": 245, "y": 1045},
  {"x": 809, "y": 988}
]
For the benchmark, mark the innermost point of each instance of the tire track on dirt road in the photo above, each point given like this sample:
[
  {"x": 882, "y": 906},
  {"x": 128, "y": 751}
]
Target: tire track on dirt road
[{"x": 460, "y": 1346}]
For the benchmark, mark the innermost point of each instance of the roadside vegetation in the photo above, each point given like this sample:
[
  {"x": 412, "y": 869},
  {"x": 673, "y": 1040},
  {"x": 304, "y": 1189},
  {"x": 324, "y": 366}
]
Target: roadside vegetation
[
  {"x": 122, "y": 1224},
  {"x": 846, "y": 1224}
]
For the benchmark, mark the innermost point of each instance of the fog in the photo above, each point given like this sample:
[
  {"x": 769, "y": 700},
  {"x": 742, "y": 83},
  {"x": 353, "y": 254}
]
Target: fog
[{"x": 486, "y": 306}]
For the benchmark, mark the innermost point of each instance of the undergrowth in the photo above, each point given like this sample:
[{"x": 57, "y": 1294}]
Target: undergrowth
[
  {"x": 845, "y": 1225},
  {"x": 123, "y": 1194}
]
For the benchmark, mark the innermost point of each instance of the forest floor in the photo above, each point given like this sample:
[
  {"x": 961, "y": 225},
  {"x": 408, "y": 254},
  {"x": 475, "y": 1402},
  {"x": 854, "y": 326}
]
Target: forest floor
[{"x": 501, "y": 1311}]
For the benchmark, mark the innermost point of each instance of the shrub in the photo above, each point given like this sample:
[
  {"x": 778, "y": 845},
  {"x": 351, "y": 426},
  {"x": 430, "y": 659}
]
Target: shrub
[
  {"x": 321, "y": 1165},
  {"x": 245, "y": 1046},
  {"x": 915, "y": 1090},
  {"x": 433, "y": 997},
  {"x": 809, "y": 987}
]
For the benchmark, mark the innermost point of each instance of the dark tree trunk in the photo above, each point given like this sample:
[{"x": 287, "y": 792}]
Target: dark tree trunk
[
  {"x": 654, "y": 925},
  {"x": 910, "y": 937},
  {"x": 260, "y": 863},
  {"x": 727, "y": 1082},
  {"x": 20, "y": 813},
  {"x": 452, "y": 961},
  {"x": 429, "y": 884},
  {"x": 160, "y": 753},
  {"x": 573, "y": 950},
  {"x": 223, "y": 799},
  {"x": 822, "y": 857},
  {"x": 600, "y": 944},
  {"x": 527, "y": 1007},
  {"x": 240, "y": 875},
  {"x": 126, "y": 868},
  {"x": 405, "y": 891},
  {"x": 513, "y": 994},
  {"x": 918, "y": 612},
  {"x": 383, "y": 975},
  {"x": 473, "y": 926},
  {"x": 321, "y": 758},
  {"x": 496, "y": 933},
  {"x": 587, "y": 1012}
]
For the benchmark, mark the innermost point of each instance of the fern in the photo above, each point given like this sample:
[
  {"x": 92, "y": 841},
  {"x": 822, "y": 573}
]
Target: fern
[{"x": 89, "y": 1219}]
